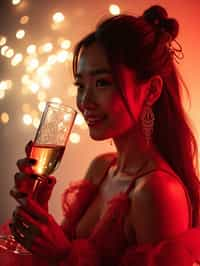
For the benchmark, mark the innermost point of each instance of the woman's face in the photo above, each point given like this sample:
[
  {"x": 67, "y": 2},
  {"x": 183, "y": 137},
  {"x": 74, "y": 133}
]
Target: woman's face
[{"x": 99, "y": 100}]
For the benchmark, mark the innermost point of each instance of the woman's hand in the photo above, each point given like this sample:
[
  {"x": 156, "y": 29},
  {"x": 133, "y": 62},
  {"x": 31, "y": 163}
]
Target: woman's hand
[
  {"x": 38, "y": 232},
  {"x": 25, "y": 180}
]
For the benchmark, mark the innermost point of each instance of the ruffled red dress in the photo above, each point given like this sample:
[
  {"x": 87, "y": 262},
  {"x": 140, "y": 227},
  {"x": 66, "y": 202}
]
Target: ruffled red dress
[{"x": 107, "y": 245}]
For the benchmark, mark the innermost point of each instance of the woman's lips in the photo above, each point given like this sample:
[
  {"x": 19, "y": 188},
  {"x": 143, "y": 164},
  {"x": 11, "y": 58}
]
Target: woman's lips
[{"x": 93, "y": 120}]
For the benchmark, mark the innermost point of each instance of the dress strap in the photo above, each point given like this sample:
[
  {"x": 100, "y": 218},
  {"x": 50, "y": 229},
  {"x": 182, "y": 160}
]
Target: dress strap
[{"x": 132, "y": 184}]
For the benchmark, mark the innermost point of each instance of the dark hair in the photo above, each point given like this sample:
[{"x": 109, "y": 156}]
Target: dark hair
[{"x": 143, "y": 44}]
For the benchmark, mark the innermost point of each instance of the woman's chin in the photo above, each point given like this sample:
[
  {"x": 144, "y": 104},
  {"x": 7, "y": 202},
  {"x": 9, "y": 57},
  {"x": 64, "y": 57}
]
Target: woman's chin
[{"x": 98, "y": 137}]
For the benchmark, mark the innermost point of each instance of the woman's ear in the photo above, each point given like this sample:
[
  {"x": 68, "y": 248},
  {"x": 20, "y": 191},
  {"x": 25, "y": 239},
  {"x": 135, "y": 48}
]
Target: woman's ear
[{"x": 155, "y": 85}]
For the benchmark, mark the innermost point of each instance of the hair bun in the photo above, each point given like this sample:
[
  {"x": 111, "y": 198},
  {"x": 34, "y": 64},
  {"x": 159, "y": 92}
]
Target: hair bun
[{"x": 157, "y": 16}]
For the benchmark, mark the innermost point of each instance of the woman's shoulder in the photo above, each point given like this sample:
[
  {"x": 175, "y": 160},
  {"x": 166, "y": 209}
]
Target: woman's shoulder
[
  {"x": 162, "y": 182},
  {"x": 159, "y": 207},
  {"x": 158, "y": 173},
  {"x": 99, "y": 165}
]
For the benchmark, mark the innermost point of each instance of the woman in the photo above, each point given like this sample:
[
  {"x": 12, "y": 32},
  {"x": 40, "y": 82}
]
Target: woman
[{"x": 140, "y": 205}]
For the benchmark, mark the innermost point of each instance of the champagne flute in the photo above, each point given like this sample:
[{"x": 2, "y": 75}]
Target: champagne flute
[
  {"x": 47, "y": 149},
  {"x": 50, "y": 140}
]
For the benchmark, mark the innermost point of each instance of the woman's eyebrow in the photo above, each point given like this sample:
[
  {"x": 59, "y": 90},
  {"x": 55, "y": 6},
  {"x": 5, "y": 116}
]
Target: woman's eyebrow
[{"x": 95, "y": 72}]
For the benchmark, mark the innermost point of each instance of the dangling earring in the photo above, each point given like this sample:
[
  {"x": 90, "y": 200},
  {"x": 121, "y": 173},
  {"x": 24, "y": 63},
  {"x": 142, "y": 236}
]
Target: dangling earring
[{"x": 147, "y": 119}]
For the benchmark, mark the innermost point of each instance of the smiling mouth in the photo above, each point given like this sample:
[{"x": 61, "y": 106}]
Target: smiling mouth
[{"x": 94, "y": 121}]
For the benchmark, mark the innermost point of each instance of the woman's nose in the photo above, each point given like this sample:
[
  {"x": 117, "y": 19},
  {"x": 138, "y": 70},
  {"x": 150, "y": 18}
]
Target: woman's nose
[{"x": 88, "y": 99}]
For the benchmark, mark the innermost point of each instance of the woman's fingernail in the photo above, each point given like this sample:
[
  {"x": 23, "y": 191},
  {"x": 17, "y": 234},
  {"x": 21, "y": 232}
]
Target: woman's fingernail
[{"x": 22, "y": 201}]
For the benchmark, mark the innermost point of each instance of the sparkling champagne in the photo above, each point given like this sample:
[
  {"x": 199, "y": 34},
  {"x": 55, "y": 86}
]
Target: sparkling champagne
[{"x": 48, "y": 157}]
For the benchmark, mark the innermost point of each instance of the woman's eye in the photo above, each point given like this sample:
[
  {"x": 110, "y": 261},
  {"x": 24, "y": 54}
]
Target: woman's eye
[{"x": 102, "y": 83}]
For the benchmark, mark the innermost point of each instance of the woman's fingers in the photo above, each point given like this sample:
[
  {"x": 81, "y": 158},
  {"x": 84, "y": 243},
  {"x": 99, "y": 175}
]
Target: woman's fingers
[
  {"x": 15, "y": 232},
  {"x": 44, "y": 237},
  {"x": 29, "y": 217},
  {"x": 25, "y": 165},
  {"x": 36, "y": 210},
  {"x": 23, "y": 185},
  {"x": 22, "y": 178},
  {"x": 24, "y": 235},
  {"x": 29, "y": 227}
]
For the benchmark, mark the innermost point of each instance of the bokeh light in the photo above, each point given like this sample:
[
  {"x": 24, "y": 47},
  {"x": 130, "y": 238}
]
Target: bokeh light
[
  {"x": 41, "y": 106},
  {"x": 2, "y": 94},
  {"x": 3, "y": 85},
  {"x": 62, "y": 56},
  {"x": 17, "y": 59},
  {"x": 20, "y": 34},
  {"x": 46, "y": 82},
  {"x": 65, "y": 44},
  {"x": 31, "y": 63},
  {"x": 27, "y": 119},
  {"x": 31, "y": 49},
  {"x": 16, "y": 2},
  {"x": 79, "y": 120},
  {"x": 34, "y": 87},
  {"x": 58, "y": 17},
  {"x": 52, "y": 59},
  {"x": 3, "y": 40},
  {"x": 114, "y": 9},
  {"x": 74, "y": 138},
  {"x": 4, "y": 118},
  {"x": 46, "y": 48},
  {"x": 24, "y": 19},
  {"x": 4, "y": 49},
  {"x": 9, "y": 53}
]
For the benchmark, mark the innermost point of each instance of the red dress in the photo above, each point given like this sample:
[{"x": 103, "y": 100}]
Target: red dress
[{"x": 107, "y": 244}]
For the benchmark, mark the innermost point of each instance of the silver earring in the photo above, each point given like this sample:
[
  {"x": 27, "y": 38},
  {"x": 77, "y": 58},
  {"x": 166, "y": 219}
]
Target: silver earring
[{"x": 147, "y": 120}]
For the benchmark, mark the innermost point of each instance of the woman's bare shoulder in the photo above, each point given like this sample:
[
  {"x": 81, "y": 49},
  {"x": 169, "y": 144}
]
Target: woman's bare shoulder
[
  {"x": 159, "y": 207},
  {"x": 98, "y": 166}
]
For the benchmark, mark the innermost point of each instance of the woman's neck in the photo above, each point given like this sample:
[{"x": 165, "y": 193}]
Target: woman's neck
[{"x": 133, "y": 152}]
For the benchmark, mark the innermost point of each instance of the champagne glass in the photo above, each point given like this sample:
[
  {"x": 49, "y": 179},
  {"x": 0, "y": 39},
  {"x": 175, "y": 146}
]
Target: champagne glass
[
  {"x": 47, "y": 149},
  {"x": 50, "y": 140}
]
